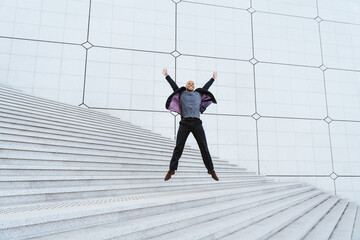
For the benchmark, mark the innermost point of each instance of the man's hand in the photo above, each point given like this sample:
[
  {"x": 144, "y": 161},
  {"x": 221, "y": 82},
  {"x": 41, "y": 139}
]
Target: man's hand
[
  {"x": 165, "y": 72},
  {"x": 214, "y": 75}
]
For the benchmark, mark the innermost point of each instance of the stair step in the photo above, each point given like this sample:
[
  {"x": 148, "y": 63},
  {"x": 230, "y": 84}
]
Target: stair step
[
  {"x": 62, "y": 118},
  {"x": 31, "y": 147},
  {"x": 34, "y": 170},
  {"x": 326, "y": 225},
  {"x": 305, "y": 222},
  {"x": 50, "y": 103},
  {"x": 164, "y": 222},
  {"x": 220, "y": 227},
  {"x": 118, "y": 163},
  {"x": 18, "y": 153},
  {"x": 94, "y": 145},
  {"x": 71, "y": 214},
  {"x": 356, "y": 230},
  {"x": 108, "y": 135},
  {"x": 120, "y": 186},
  {"x": 23, "y": 182},
  {"x": 57, "y": 120},
  {"x": 264, "y": 228},
  {"x": 20, "y": 94},
  {"x": 12, "y": 128},
  {"x": 64, "y": 113},
  {"x": 9, "y": 88},
  {"x": 69, "y": 131},
  {"x": 345, "y": 226},
  {"x": 23, "y": 139},
  {"x": 133, "y": 185},
  {"x": 17, "y": 97}
]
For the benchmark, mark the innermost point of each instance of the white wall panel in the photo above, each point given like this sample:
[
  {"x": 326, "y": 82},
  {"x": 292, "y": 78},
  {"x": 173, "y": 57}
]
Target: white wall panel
[
  {"x": 44, "y": 69},
  {"x": 286, "y": 39},
  {"x": 304, "y": 8},
  {"x": 127, "y": 79},
  {"x": 348, "y": 187},
  {"x": 290, "y": 91},
  {"x": 214, "y": 31},
  {"x": 244, "y": 4},
  {"x": 344, "y": 11},
  {"x": 341, "y": 45},
  {"x": 345, "y": 139},
  {"x": 297, "y": 147},
  {"x": 55, "y": 20},
  {"x": 146, "y": 25},
  {"x": 343, "y": 94}
]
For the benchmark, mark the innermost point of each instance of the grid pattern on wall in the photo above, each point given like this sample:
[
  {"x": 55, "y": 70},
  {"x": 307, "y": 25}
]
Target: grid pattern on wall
[{"x": 288, "y": 86}]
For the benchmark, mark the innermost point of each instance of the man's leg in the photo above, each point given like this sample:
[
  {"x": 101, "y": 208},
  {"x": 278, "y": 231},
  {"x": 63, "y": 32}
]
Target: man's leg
[
  {"x": 182, "y": 135},
  {"x": 200, "y": 137}
]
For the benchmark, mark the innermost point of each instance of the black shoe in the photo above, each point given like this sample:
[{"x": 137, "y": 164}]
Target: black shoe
[
  {"x": 168, "y": 175},
  {"x": 213, "y": 175}
]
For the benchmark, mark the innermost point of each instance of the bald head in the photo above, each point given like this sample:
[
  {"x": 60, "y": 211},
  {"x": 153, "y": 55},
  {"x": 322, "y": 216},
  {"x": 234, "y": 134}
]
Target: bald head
[{"x": 190, "y": 86}]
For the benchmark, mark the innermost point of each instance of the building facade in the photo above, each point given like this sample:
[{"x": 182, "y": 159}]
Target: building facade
[{"x": 288, "y": 86}]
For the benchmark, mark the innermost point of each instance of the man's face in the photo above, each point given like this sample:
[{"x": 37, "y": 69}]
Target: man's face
[{"x": 190, "y": 86}]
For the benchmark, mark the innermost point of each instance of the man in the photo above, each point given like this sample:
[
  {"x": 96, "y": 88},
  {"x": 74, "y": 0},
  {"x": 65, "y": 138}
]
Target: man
[{"x": 189, "y": 103}]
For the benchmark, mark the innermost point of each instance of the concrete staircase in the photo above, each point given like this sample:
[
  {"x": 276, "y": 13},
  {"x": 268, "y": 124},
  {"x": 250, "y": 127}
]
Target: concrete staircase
[{"x": 72, "y": 173}]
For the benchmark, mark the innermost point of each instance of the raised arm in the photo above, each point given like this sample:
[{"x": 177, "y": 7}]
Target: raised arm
[
  {"x": 169, "y": 79},
  {"x": 210, "y": 82}
]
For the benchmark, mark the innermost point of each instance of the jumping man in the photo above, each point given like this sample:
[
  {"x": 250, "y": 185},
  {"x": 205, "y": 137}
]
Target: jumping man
[{"x": 189, "y": 103}]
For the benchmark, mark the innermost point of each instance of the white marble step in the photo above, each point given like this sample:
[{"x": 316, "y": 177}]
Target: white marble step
[
  {"x": 62, "y": 117},
  {"x": 49, "y": 118},
  {"x": 20, "y": 94},
  {"x": 40, "y": 138},
  {"x": 34, "y": 170},
  {"x": 73, "y": 114},
  {"x": 356, "y": 230},
  {"x": 92, "y": 132},
  {"x": 305, "y": 222},
  {"x": 120, "y": 186},
  {"x": 40, "y": 103},
  {"x": 92, "y": 114},
  {"x": 57, "y": 105},
  {"x": 345, "y": 226},
  {"x": 9, "y": 88},
  {"x": 327, "y": 224},
  {"x": 18, "y": 153},
  {"x": 27, "y": 138},
  {"x": 31, "y": 182},
  {"x": 149, "y": 226},
  {"x": 87, "y": 137},
  {"x": 266, "y": 227},
  {"x": 35, "y": 150},
  {"x": 69, "y": 215},
  {"x": 29, "y": 123},
  {"x": 220, "y": 227},
  {"x": 123, "y": 163},
  {"x": 76, "y": 120}
]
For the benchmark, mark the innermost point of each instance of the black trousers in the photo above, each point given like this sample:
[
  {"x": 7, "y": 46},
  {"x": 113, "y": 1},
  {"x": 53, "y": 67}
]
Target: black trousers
[{"x": 193, "y": 125}]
